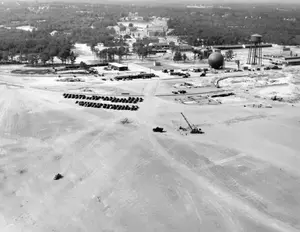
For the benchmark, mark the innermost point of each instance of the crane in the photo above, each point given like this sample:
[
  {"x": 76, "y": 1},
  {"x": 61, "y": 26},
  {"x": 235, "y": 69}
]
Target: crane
[{"x": 194, "y": 130}]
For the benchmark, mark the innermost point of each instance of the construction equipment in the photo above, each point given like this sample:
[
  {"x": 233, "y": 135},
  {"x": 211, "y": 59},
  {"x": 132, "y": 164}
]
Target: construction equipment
[
  {"x": 158, "y": 129},
  {"x": 194, "y": 130}
]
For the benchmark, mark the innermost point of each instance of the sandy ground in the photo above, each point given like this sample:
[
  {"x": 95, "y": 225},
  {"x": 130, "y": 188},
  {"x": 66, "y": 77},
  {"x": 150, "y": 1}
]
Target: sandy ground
[{"x": 241, "y": 175}]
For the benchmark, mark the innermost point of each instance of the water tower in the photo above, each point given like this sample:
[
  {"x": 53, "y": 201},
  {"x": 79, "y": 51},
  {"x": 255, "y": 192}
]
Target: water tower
[{"x": 255, "y": 50}]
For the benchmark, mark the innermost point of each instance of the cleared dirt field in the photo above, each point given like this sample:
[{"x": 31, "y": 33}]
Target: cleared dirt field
[{"x": 241, "y": 175}]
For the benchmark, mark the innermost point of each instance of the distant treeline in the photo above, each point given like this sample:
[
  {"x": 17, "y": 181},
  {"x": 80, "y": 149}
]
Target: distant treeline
[
  {"x": 218, "y": 26},
  {"x": 87, "y": 23}
]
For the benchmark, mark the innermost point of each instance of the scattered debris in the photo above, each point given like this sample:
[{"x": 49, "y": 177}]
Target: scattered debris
[
  {"x": 87, "y": 90},
  {"x": 70, "y": 79},
  {"x": 182, "y": 128},
  {"x": 22, "y": 171},
  {"x": 57, "y": 157},
  {"x": 179, "y": 92},
  {"x": 223, "y": 95},
  {"x": 259, "y": 105},
  {"x": 58, "y": 176},
  {"x": 275, "y": 98},
  {"x": 125, "y": 121}
]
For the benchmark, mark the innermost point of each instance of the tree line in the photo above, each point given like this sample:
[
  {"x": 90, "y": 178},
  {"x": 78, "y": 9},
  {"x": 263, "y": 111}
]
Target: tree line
[
  {"x": 215, "y": 26},
  {"x": 35, "y": 47},
  {"x": 109, "y": 54}
]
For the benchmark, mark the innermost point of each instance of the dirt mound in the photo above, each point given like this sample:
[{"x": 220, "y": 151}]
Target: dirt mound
[{"x": 288, "y": 93}]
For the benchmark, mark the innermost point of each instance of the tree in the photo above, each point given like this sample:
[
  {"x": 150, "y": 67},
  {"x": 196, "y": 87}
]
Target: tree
[
  {"x": 33, "y": 59},
  {"x": 83, "y": 65},
  {"x": 111, "y": 54},
  {"x": 177, "y": 56},
  {"x": 53, "y": 52},
  {"x": 126, "y": 51},
  {"x": 64, "y": 54},
  {"x": 73, "y": 57},
  {"x": 184, "y": 57},
  {"x": 139, "y": 49},
  {"x": 229, "y": 55},
  {"x": 11, "y": 54},
  {"x": 44, "y": 57},
  {"x": 122, "y": 27},
  {"x": 127, "y": 36},
  {"x": 172, "y": 46},
  {"x": 145, "y": 52},
  {"x": 146, "y": 19},
  {"x": 195, "y": 54},
  {"x": 5, "y": 56},
  {"x": 102, "y": 54},
  {"x": 122, "y": 15},
  {"x": 121, "y": 52}
]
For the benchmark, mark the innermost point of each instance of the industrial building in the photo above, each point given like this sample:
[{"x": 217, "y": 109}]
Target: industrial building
[
  {"x": 295, "y": 61},
  {"x": 241, "y": 46},
  {"x": 118, "y": 66},
  {"x": 160, "y": 46},
  {"x": 155, "y": 31},
  {"x": 184, "y": 48},
  {"x": 289, "y": 60}
]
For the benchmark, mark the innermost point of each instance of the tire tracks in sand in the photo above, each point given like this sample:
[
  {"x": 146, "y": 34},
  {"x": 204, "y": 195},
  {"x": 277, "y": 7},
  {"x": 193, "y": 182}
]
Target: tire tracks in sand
[{"x": 219, "y": 193}]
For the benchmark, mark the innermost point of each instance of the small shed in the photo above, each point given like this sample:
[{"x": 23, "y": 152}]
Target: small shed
[{"x": 118, "y": 66}]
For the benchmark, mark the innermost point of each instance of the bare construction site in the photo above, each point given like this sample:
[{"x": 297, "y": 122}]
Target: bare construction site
[{"x": 87, "y": 155}]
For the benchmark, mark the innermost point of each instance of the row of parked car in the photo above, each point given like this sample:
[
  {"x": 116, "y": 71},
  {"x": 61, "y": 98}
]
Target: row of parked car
[
  {"x": 171, "y": 72},
  {"x": 107, "y": 106},
  {"x": 132, "y": 100}
]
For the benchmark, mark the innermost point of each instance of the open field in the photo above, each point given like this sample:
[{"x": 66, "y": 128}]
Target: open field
[{"x": 241, "y": 175}]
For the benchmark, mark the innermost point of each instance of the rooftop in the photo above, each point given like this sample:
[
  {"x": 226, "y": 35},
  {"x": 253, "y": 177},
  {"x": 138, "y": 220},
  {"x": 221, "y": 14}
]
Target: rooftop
[
  {"x": 117, "y": 64},
  {"x": 293, "y": 60}
]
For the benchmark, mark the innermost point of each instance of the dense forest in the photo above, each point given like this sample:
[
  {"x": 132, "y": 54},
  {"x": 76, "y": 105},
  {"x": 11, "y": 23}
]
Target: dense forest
[
  {"x": 235, "y": 25},
  {"x": 87, "y": 23},
  {"x": 35, "y": 46}
]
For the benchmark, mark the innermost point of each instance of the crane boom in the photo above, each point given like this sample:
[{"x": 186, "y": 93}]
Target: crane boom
[{"x": 187, "y": 121}]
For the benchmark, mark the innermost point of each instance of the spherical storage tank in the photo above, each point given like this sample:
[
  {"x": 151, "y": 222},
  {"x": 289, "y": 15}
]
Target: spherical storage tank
[{"x": 216, "y": 60}]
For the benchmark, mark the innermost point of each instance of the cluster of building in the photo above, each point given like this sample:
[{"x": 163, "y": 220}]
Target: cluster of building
[
  {"x": 285, "y": 57},
  {"x": 287, "y": 60},
  {"x": 132, "y": 17},
  {"x": 135, "y": 26}
]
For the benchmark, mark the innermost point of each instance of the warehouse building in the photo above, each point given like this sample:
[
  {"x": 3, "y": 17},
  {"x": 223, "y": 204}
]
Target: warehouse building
[
  {"x": 289, "y": 60},
  {"x": 160, "y": 46},
  {"x": 118, "y": 66},
  {"x": 295, "y": 61},
  {"x": 184, "y": 48}
]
